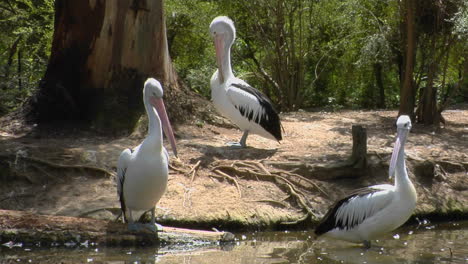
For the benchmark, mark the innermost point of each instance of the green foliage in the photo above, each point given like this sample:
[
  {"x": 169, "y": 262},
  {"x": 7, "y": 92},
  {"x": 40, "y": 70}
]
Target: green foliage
[
  {"x": 26, "y": 28},
  {"x": 190, "y": 46},
  {"x": 305, "y": 54},
  {"x": 302, "y": 54}
]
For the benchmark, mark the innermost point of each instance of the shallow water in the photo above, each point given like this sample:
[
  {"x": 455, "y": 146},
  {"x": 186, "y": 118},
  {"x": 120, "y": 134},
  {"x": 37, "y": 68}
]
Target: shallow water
[{"x": 426, "y": 243}]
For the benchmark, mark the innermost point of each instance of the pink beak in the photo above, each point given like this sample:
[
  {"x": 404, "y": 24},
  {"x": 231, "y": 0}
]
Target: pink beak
[
  {"x": 219, "y": 47},
  {"x": 158, "y": 104}
]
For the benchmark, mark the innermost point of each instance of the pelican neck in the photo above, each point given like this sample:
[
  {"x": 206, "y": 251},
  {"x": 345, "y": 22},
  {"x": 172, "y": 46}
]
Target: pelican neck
[
  {"x": 154, "y": 136},
  {"x": 226, "y": 63},
  {"x": 401, "y": 177}
]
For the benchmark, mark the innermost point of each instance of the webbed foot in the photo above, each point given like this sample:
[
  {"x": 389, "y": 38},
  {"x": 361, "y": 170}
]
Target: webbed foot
[
  {"x": 139, "y": 227},
  {"x": 367, "y": 244},
  {"x": 235, "y": 145}
]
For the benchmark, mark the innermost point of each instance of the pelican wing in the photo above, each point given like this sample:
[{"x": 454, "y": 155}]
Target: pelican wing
[
  {"x": 355, "y": 208},
  {"x": 122, "y": 165},
  {"x": 255, "y": 106}
]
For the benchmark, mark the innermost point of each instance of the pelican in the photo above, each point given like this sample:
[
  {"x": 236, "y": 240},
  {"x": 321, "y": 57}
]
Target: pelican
[
  {"x": 142, "y": 172},
  {"x": 244, "y": 105},
  {"x": 370, "y": 212}
]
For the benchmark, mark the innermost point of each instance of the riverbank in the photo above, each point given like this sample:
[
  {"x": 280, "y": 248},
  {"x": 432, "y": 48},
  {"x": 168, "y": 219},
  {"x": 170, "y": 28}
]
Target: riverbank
[{"x": 266, "y": 186}]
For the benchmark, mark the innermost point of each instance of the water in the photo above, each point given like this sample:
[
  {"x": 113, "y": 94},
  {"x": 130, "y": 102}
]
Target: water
[{"x": 425, "y": 244}]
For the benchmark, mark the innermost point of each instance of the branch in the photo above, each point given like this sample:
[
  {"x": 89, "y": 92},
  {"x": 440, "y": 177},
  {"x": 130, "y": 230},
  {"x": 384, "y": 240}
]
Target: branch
[{"x": 268, "y": 78}]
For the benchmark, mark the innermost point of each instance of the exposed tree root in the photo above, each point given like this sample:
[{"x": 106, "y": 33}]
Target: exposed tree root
[
  {"x": 298, "y": 221},
  {"x": 280, "y": 203},
  {"x": 58, "y": 165},
  {"x": 230, "y": 178},
  {"x": 256, "y": 170}
]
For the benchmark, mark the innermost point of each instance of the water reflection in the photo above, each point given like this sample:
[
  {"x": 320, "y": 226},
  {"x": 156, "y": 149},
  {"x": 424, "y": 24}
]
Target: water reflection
[{"x": 428, "y": 243}]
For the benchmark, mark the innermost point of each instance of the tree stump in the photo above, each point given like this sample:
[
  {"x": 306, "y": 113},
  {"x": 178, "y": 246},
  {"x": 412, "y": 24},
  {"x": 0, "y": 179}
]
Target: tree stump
[{"x": 359, "y": 154}]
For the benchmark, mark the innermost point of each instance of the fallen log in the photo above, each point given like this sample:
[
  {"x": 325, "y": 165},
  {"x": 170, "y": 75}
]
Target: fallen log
[{"x": 46, "y": 230}]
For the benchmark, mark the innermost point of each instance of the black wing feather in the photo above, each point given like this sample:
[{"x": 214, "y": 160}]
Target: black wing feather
[
  {"x": 330, "y": 222},
  {"x": 123, "y": 207},
  {"x": 122, "y": 199},
  {"x": 270, "y": 120}
]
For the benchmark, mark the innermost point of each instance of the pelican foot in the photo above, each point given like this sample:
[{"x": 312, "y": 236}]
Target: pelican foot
[
  {"x": 367, "y": 244},
  {"x": 139, "y": 227},
  {"x": 235, "y": 145}
]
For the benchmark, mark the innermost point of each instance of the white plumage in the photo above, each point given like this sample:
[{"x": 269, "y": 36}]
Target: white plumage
[
  {"x": 373, "y": 211},
  {"x": 142, "y": 173},
  {"x": 244, "y": 105}
]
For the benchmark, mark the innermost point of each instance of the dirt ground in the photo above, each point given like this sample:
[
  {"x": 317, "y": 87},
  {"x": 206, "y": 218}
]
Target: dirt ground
[{"x": 265, "y": 186}]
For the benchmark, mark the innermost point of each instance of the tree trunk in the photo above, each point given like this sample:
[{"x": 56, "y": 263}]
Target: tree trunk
[
  {"x": 379, "y": 83},
  {"x": 407, "y": 88},
  {"x": 102, "y": 52},
  {"x": 429, "y": 103}
]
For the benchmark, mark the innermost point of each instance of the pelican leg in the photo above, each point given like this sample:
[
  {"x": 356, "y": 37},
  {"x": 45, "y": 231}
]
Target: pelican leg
[
  {"x": 153, "y": 226},
  {"x": 244, "y": 139},
  {"x": 241, "y": 143},
  {"x": 132, "y": 226},
  {"x": 367, "y": 244}
]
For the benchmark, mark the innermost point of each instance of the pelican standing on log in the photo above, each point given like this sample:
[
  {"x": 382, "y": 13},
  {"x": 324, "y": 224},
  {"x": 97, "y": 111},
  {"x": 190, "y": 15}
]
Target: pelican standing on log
[
  {"x": 142, "y": 173},
  {"x": 370, "y": 212},
  {"x": 244, "y": 105}
]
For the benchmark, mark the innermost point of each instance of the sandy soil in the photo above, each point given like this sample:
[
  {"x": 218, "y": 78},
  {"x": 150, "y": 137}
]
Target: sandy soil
[{"x": 55, "y": 173}]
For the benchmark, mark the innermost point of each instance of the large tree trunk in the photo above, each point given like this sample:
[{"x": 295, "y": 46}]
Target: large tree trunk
[
  {"x": 407, "y": 89},
  {"x": 102, "y": 52},
  {"x": 428, "y": 102}
]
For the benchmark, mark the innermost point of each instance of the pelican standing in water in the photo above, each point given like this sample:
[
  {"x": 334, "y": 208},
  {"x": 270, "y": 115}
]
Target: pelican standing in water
[
  {"x": 142, "y": 172},
  {"x": 244, "y": 105},
  {"x": 370, "y": 212}
]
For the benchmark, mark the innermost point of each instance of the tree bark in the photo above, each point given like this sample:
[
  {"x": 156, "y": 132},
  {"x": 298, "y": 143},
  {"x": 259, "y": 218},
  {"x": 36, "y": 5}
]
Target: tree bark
[
  {"x": 407, "y": 89},
  {"x": 429, "y": 93},
  {"x": 102, "y": 52},
  {"x": 359, "y": 154},
  {"x": 379, "y": 83}
]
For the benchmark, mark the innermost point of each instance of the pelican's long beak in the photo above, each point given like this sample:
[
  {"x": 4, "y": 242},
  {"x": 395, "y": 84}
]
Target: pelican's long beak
[
  {"x": 396, "y": 149},
  {"x": 219, "y": 47},
  {"x": 158, "y": 104}
]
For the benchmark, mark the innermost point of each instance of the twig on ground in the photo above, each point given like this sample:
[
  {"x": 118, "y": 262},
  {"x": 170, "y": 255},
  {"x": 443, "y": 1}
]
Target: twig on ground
[
  {"x": 194, "y": 170},
  {"x": 172, "y": 167}
]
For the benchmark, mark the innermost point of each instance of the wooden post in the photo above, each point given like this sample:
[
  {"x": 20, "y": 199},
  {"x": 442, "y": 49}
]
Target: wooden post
[{"x": 359, "y": 154}]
